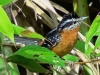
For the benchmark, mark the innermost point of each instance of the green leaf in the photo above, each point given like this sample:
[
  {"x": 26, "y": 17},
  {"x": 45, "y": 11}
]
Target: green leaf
[
  {"x": 41, "y": 54},
  {"x": 5, "y": 25},
  {"x": 95, "y": 25},
  {"x": 72, "y": 58},
  {"x": 97, "y": 44},
  {"x": 87, "y": 70},
  {"x": 18, "y": 29},
  {"x": 4, "y": 2},
  {"x": 97, "y": 33},
  {"x": 30, "y": 64}
]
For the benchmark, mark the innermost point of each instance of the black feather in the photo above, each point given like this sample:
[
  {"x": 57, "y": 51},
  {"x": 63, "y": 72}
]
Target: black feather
[
  {"x": 64, "y": 22},
  {"x": 52, "y": 38}
]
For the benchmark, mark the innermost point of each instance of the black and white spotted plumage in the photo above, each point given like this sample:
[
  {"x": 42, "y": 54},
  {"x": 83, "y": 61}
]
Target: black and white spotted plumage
[
  {"x": 68, "y": 22},
  {"x": 52, "y": 38}
]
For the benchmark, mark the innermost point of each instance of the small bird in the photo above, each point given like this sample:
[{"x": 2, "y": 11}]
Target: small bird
[{"x": 62, "y": 38}]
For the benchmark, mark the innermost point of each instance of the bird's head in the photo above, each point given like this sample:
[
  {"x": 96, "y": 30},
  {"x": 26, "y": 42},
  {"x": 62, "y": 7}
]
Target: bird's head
[{"x": 70, "y": 21}]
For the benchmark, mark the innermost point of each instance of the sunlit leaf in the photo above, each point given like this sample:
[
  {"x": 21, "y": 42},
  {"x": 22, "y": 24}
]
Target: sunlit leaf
[
  {"x": 95, "y": 25},
  {"x": 5, "y": 25},
  {"x": 97, "y": 44},
  {"x": 18, "y": 29},
  {"x": 72, "y": 58},
  {"x": 97, "y": 33}
]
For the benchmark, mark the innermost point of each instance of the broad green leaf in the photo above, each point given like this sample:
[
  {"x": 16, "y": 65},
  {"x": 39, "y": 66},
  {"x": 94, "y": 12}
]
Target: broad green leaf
[
  {"x": 5, "y": 25},
  {"x": 30, "y": 34},
  {"x": 95, "y": 25},
  {"x": 40, "y": 54},
  {"x": 72, "y": 58},
  {"x": 27, "y": 63},
  {"x": 18, "y": 29},
  {"x": 4, "y": 2},
  {"x": 18, "y": 58},
  {"x": 87, "y": 70},
  {"x": 3, "y": 70},
  {"x": 97, "y": 44},
  {"x": 97, "y": 33}
]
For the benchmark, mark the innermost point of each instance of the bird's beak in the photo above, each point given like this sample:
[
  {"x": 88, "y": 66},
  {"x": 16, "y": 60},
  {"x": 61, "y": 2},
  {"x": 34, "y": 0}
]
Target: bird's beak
[{"x": 83, "y": 18}]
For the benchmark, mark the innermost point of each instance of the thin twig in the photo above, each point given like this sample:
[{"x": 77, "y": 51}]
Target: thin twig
[
  {"x": 86, "y": 24},
  {"x": 20, "y": 10},
  {"x": 92, "y": 61},
  {"x": 11, "y": 44},
  {"x": 13, "y": 15}
]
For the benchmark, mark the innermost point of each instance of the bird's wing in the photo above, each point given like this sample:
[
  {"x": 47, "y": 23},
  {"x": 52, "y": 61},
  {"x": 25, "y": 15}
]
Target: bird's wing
[{"x": 52, "y": 39}]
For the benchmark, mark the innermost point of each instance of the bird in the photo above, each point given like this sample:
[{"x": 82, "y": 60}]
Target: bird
[{"x": 63, "y": 37}]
